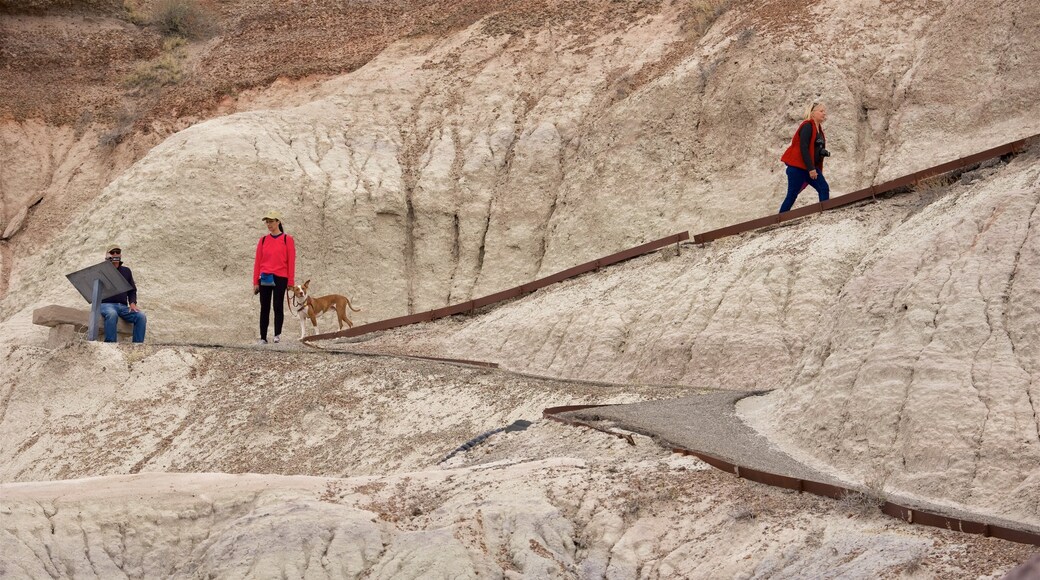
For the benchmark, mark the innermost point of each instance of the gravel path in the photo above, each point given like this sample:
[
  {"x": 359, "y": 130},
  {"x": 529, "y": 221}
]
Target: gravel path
[{"x": 707, "y": 422}]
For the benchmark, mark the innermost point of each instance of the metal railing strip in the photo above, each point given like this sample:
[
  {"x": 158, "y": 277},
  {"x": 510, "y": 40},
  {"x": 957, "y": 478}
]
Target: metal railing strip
[
  {"x": 801, "y": 212},
  {"x": 765, "y": 221},
  {"x": 509, "y": 294},
  {"x": 496, "y": 297},
  {"x": 907, "y": 514},
  {"x": 734, "y": 229},
  {"x": 872, "y": 191}
]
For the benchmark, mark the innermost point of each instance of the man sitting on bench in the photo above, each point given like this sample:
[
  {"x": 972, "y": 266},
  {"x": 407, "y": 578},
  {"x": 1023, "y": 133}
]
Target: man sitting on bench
[{"x": 122, "y": 305}]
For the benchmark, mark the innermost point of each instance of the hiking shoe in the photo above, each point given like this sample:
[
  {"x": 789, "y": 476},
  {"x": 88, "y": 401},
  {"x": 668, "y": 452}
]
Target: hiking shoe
[
  {"x": 278, "y": 338},
  {"x": 262, "y": 341}
]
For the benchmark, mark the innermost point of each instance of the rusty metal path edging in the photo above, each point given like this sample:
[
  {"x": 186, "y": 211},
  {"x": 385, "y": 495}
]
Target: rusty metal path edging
[
  {"x": 505, "y": 294},
  {"x": 873, "y": 191},
  {"x": 909, "y": 515}
]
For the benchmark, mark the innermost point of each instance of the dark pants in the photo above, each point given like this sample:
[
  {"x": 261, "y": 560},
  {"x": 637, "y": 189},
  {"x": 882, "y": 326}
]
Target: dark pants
[
  {"x": 266, "y": 294},
  {"x": 797, "y": 179}
]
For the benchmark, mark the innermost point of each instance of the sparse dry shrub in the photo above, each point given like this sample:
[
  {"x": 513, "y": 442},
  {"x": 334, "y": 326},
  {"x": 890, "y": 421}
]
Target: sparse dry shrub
[
  {"x": 184, "y": 18},
  {"x": 174, "y": 43},
  {"x": 867, "y": 502},
  {"x": 932, "y": 184},
  {"x": 742, "y": 514},
  {"x": 134, "y": 12},
  {"x": 876, "y": 483},
  {"x": 706, "y": 72},
  {"x": 117, "y": 134},
  {"x": 647, "y": 494},
  {"x": 332, "y": 492},
  {"x": 860, "y": 503},
  {"x": 745, "y": 36},
  {"x": 136, "y": 354},
  {"x": 163, "y": 71},
  {"x": 407, "y": 501},
  {"x": 913, "y": 565}
]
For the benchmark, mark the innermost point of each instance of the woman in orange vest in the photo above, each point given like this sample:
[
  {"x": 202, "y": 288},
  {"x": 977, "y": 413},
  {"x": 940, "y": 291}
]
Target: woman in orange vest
[
  {"x": 274, "y": 270},
  {"x": 804, "y": 157}
]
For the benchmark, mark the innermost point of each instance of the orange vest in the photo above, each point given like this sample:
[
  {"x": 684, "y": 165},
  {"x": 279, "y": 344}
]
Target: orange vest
[{"x": 793, "y": 155}]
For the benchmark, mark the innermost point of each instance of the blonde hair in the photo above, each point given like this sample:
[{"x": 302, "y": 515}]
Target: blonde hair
[{"x": 812, "y": 107}]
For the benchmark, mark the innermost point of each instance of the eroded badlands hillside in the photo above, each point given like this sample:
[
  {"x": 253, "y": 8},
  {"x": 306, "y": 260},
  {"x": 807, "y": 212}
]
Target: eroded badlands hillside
[
  {"x": 452, "y": 165},
  {"x": 184, "y": 462},
  {"x": 901, "y": 337},
  {"x": 424, "y": 154}
]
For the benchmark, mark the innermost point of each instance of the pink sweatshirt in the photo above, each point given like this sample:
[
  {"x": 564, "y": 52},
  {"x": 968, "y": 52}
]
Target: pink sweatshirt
[{"x": 275, "y": 256}]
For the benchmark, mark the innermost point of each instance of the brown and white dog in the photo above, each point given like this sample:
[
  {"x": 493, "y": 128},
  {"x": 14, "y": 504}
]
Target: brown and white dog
[{"x": 310, "y": 307}]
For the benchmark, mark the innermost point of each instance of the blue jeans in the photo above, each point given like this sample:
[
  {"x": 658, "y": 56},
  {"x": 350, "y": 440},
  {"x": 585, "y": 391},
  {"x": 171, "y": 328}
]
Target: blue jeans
[
  {"x": 797, "y": 179},
  {"x": 110, "y": 312}
]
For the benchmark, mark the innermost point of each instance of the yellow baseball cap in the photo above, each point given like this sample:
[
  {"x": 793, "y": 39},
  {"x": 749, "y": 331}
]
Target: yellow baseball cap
[
  {"x": 112, "y": 247},
  {"x": 273, "y": 215}
]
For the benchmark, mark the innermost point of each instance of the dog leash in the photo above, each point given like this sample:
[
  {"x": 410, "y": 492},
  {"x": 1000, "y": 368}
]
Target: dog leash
[
  {"x": 290, "y": 301},
  {"x": 293, "y": 304}
]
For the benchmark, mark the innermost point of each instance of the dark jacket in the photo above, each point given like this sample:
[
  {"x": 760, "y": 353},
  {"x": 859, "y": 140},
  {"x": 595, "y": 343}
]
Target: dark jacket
[{"x": 126, "y": 298}]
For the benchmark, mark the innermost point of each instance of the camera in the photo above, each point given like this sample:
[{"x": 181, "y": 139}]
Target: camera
[{"x": 824, "y": 153}]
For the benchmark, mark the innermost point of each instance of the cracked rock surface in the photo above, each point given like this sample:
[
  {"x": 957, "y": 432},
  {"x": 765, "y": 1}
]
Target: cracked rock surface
[
  {"x": 452, "y": 166},
  {"x": 901, "y": 337},
  {"x": 446, "y": 152},
  {"x": 191, "y": 461}
]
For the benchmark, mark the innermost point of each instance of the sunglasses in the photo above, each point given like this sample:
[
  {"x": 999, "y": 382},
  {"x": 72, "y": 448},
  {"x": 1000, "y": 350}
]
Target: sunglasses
[{"x": 115, "y": 252}]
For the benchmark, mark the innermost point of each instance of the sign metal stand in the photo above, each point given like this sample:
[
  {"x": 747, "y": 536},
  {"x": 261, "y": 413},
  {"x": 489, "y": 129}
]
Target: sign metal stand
[{"x": 96, "y": 283}]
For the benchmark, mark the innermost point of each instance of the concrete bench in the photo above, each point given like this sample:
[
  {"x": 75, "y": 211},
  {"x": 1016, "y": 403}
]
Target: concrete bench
[{"x": 65, "y": 322}]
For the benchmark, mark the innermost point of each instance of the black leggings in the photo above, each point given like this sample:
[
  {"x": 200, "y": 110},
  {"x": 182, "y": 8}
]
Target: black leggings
[{"x": 278, "y": 293}]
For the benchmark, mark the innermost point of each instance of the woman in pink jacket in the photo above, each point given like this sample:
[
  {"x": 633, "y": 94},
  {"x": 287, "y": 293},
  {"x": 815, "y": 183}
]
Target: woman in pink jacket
[{"x": 274, "y": 270}]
